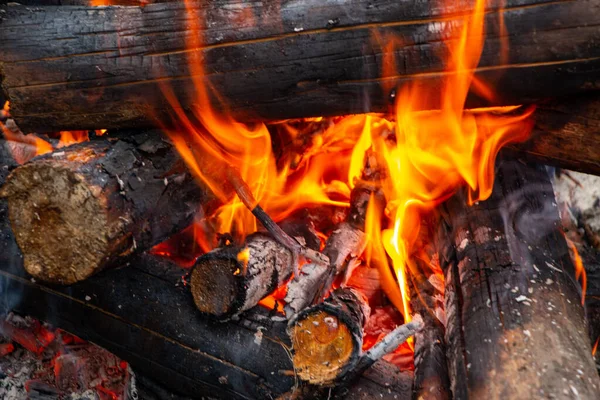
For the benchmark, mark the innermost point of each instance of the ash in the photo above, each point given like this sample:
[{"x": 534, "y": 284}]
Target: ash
[{"x": 41, "y": 363}]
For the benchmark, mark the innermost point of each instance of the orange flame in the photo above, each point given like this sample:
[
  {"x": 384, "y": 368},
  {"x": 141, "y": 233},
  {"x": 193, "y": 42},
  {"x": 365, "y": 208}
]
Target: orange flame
[
  {"x": 216, "y": 148},
  {"x": 68, "y": 138},
  {"x": 435, "y": 152},
  {"x": 429, "y": 155},
  {"x": 580, "y": 273},
  {"x": 595, "y": 348}
]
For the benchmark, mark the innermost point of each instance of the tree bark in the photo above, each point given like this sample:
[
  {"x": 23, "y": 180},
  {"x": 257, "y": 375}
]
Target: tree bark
[
  {"x": 513, "y": 306},
  {"x": 100, "y": 67},
  {"x": 79, "y": 210}
]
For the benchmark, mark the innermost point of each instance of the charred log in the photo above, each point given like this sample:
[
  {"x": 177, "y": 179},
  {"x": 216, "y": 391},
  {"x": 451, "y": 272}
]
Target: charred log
[
  {"x": 109, "y": 74},
  {"x": 431, "y": 381},
  {"x": 511, "y": 294},
  {"x": 129, "y": 319},
  {"x": 79, "y": 210},
  {"x": 232, "y": 279},
  {"x": 566, "y": 134}
]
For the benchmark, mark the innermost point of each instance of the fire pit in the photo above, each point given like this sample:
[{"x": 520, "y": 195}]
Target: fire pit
[{"x": 297, "y": 199}]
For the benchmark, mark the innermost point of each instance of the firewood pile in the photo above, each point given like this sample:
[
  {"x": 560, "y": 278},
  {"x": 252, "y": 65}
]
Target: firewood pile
[{"x": 284, "y": 257}]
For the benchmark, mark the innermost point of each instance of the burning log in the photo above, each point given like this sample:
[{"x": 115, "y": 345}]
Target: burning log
[
  {"x": 566, "y": 134},
  {"x": 511, "y": 294},
  {"x": 233, "y": 279},
  {"x": 79, "y": 210},
  {"x": 347, "y": 240},
  {"x": 330, "y": 64},
  {"x": 431, "y": 381}
]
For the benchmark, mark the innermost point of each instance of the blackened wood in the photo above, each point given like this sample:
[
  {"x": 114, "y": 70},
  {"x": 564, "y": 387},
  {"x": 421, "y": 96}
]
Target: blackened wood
[
  {"x": 98, "y": 67},
  {"x": 85, "y": 207},
  {"x": 431, "y": 381},
  {"x": 327, "y": 337},
  {"x": 145, "y": 315},
  {"x": 233, "y": 279},
  {"x": 566, "y": 134},
  {"x": 513, "y": 306}
]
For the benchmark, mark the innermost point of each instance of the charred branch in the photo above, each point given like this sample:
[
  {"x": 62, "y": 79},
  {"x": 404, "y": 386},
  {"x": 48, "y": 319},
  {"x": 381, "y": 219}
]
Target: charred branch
[
  {"x": 100, "y": 202},
  {"x": 109, "y": 73},
  {"x": 511, "y": 294},
  {"x": 232, "y": 279}
]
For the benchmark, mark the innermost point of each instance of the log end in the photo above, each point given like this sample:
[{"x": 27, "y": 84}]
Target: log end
[
  {"x": 323, "y": 347},
  {"x": 52, "y": 211},
  {"x": 214, "y": 285}
]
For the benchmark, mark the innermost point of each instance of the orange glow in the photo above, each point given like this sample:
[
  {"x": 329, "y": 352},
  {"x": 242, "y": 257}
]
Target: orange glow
[
  {"x": 68, "y": 138},
  {"x": 595, "y": 347},
  {"x": 579, "y": 268}
]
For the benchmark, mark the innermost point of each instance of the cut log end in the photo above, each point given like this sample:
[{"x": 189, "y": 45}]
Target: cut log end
[
  {"x": 54, "y": 210},
  {"x": 327, "y": 337},
  {"x": 323, "y": 345},
  {"x": 213, "y": 285}
]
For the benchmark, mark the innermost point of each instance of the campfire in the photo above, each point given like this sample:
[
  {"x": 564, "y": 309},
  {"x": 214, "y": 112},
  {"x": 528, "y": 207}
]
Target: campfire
[{"x": 297, "y": 200}]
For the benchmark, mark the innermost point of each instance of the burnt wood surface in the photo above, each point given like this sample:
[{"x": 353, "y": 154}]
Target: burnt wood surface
[
  {"x": 431, "y": 381},
  {"x": 100, "y": 67},
  {"x": 86, "y": 207},
  {"x": 513, "y": 307},
  {"x": 566, "y": 134},
  {"x": 145, "y": 315}
]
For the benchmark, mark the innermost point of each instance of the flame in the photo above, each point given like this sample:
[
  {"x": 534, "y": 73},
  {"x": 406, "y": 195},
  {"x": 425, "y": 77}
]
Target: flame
[
  {"x": 24, "y": 147},
  {"x": 425, "y": 155},
  {"x": 68, "y": 138},
  {"x": 580, "y": 273},
  {"x": 435, "y": 152},
  {"x": 595, "y": 348},
  {"x": 217, "y": 149}
]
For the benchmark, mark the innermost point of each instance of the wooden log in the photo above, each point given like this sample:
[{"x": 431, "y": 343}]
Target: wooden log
[
  {"x": 233, "y": 279},
  {"x": 145, "y": 315},
  {"x": 511, "y": 294},
  {"x": 327, "y": 337},
  {"x": 431, "y": 381},
  {"x": 76, "y": 211},
  {"x": 100, "y": 67},
  {"x": 566, "y": 134}
]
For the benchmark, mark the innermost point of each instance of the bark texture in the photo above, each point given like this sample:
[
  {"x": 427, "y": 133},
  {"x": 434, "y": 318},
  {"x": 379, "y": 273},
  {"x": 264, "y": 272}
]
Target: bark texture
[
  {"x": 100, "y": 67},
  {"x": 513, "y": 307},
  {"x": 78, "y": 210}
]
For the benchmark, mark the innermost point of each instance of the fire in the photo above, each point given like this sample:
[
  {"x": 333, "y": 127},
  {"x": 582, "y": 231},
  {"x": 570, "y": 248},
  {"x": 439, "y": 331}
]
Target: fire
[
  {"x": 579, "y": 268},
  {"x": 68, "y": 138},
  {"x": 424, "y": 155}
]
